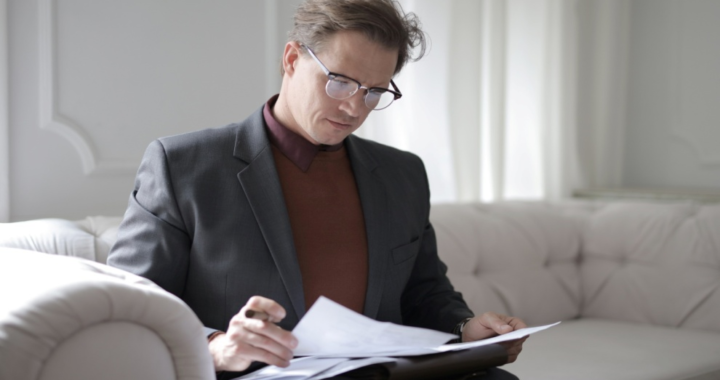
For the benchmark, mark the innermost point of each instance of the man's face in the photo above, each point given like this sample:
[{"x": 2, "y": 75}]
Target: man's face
[{"x": 320, "y": 118}]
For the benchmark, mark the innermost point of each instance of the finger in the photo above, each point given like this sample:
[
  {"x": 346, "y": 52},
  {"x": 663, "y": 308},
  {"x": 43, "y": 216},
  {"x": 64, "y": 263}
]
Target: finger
[
  {"x": 475, "y": 330},
  {"x": 241, "y": 327},
  {"x": 516, "y": 323},
  {"x": 275, "y": 312},
  {"x": 261, "y": 315},
  {"x": 268, "y": 335},
  {"x": 514, "y": 353},
  {"x": 514, "y": 342},
  {"x": 231, "y": 354},
  {"x": 244, "y": 352},
  {"x": 273, "y": 332},
  {"x": 262, "y": 342},
  {"x": 513, "y": 349},
  {"x": 496, "y": 322}
]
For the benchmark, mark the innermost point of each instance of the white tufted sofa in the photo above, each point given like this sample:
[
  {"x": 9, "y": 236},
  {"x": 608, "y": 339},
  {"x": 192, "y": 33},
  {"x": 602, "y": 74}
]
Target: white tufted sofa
[
  {"x": 636, "y": 284},
  {"x": 68, "y": 318}
]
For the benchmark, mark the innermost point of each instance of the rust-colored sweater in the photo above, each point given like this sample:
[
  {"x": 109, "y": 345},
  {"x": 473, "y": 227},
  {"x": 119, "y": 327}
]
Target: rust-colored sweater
[{"x": 325, "y": 215}]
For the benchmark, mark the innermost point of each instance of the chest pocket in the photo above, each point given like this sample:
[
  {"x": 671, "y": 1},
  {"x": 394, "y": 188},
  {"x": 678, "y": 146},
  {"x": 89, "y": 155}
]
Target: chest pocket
[{"x": 405, "y": 252}]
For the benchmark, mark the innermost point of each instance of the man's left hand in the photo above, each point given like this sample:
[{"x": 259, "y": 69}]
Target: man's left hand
[{"x": 491, "y": 324}]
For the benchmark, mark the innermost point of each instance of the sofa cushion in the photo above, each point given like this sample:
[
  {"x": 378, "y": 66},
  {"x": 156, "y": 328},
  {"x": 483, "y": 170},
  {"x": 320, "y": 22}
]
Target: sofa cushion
[
  {"x": 513, "y": 258},
  {"x": 653, "y": 263},
  {"x": 593, "y": 349},
  {"x": 104, "y": 230}
]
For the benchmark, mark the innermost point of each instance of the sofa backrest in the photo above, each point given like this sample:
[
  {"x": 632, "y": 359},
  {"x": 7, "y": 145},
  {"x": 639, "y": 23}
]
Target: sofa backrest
[
  {"x": 518, "y": 259},
  {"x": 90, "y": 238},
  {"x": 655, "y": 263}
]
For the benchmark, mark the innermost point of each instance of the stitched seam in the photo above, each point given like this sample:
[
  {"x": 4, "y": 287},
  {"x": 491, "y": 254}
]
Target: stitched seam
[{"x": 172, "y": 190}]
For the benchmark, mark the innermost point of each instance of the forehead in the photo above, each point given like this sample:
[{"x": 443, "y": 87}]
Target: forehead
[{"x": 354, "y": 55}]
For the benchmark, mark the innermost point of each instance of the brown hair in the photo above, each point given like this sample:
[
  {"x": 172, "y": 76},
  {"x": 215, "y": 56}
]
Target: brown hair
[{"x": 381, "y": 21}]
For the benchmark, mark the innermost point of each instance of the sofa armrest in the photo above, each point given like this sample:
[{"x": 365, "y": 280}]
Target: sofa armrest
[{"x": 66, "y": 318}]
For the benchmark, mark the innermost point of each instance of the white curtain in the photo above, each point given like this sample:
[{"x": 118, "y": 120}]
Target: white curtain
[
  {"x": 420, "y": 121},
  {"x": 491, "y": 108}
]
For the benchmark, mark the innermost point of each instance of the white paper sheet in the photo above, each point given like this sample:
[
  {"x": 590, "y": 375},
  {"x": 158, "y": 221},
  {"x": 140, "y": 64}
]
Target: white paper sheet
[
  {"x": 517, "y": 334},
  {"x": 416, "y": 351},
  {"x": 329, "y": 329}
]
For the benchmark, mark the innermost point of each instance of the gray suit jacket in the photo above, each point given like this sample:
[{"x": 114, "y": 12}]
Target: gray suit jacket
[{"x": 207, "y": 221}]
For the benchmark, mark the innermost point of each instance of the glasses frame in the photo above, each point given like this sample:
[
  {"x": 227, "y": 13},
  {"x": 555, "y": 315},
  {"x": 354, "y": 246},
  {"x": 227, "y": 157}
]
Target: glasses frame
[{"x": 331, "y": 75}]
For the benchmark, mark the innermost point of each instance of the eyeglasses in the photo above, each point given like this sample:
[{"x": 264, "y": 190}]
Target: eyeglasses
[{"x": 341, "y": 87}]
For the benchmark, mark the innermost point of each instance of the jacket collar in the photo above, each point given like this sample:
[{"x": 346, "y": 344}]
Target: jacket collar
[{"x": 261, "y": 184}]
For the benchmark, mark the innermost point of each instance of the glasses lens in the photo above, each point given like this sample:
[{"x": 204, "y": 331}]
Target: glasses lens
[
  {"x": 340, "y": 88},
  {"x": 378, "y": 100}
]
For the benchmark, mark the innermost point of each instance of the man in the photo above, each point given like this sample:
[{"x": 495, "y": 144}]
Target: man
[{"x": 270, "y": 213}]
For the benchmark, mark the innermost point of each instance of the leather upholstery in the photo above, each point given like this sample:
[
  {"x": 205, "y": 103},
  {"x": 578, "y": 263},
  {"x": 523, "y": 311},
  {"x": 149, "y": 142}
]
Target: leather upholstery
[
  {"x": 69, "y": 318},
  {"x": 637, "y": 284}
]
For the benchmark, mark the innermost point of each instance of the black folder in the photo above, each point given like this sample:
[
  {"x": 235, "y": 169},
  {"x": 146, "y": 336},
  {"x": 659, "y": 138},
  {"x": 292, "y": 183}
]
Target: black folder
[{"x": 470, "y": 363}]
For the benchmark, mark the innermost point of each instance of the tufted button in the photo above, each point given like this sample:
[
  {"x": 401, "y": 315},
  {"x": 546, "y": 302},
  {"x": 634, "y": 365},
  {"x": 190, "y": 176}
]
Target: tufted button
[{"x": 623, "y": 260}]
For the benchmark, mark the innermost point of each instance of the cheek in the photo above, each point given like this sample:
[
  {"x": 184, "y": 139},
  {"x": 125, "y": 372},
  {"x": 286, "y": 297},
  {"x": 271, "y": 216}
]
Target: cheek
[
  {"x": 314, "y": 109},
  {"x": 363, "y": 116},
  {"x": 322, "y": 107}
]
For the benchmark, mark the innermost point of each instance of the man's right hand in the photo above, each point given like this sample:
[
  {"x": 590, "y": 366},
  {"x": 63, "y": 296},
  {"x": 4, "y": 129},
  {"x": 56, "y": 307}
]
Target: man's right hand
[{"x": 248, "y": 340}]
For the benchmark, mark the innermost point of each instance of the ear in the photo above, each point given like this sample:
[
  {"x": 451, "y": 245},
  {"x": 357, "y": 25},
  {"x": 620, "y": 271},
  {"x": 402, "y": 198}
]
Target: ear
[{"x": 291, "y": 55}]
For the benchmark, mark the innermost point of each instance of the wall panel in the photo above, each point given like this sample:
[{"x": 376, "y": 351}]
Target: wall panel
[
  {"x": 92, "y": 83},
  {"x": 673, "y": 95}
]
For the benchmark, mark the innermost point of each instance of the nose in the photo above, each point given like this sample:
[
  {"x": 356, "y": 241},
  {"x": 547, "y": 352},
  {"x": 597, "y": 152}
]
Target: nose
[{"x": 355, "y": 104}]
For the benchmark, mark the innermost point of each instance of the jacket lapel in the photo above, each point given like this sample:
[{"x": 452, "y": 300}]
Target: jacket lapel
[
  {"x": 260, "y": 181},
  {"x": 374, "y": 200}
]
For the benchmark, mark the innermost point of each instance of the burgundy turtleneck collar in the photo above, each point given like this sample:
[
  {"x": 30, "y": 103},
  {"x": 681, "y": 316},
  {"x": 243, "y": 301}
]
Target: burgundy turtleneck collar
[{"x": 295, "y": 147}]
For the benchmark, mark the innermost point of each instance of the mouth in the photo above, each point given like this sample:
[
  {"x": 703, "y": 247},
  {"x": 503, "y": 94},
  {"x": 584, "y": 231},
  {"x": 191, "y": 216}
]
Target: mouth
[{"x": 338, "y": 125}]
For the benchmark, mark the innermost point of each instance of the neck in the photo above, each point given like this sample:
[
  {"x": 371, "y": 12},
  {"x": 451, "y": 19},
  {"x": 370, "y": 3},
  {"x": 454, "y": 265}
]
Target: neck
[{"x": 281, "y": 112}]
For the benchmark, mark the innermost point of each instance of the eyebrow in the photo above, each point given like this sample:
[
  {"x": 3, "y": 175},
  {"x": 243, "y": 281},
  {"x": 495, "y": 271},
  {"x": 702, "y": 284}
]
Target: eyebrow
[
  {"x": 387, "y": 87},
  {"x": 316, "y": 58}
]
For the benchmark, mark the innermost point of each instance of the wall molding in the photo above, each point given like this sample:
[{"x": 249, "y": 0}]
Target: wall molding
[
  {"x": 4, "y": 116},
  {"x": 681, "y": 135},
  {"x": 50, "y": 118},
  {"x": 609, "y": 89}
]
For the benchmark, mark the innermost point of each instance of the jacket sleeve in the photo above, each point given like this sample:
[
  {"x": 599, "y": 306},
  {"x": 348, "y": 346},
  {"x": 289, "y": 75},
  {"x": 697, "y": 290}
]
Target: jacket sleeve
[
  {"x": 429, "y": 299},
  {"x": 153, "y": 241}
]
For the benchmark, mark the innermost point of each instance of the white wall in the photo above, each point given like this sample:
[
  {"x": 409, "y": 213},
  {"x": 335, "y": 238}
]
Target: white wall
[
  {"x": 601, "y": 88},
  {"x": 93, "y": 82},
  {"x": 673, "y": 95},
  {"x": 649, "y": 93}
]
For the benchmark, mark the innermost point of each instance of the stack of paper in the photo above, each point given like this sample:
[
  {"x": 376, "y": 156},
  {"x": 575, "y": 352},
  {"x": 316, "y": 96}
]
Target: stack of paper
[{"x": 334, "y": 340}]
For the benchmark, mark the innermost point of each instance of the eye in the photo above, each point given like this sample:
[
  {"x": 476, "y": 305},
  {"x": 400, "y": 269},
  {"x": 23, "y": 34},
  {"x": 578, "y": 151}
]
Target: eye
[{"x": 342, "y": 82}]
